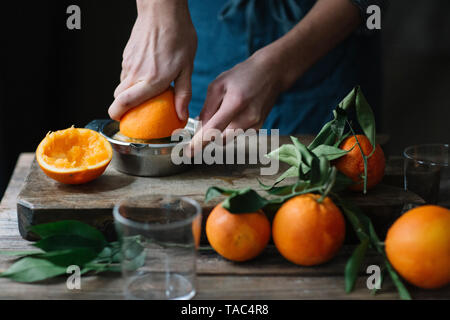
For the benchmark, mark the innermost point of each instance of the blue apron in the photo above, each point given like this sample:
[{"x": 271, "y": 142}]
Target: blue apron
[{"x": 229, "y": 31}]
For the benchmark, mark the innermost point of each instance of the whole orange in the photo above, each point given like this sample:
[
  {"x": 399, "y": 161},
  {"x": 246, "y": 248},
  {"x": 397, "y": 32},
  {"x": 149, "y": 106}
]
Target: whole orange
[
  {"x": 352, "y": 164},
  {"x": 74, "y": 155},
  {"x": 307, "y": 232},
  {"x": 418, "y": 246},
  {"x": 154, "y": 119},
  {"x": 197, "y": 230},
  {"x": 237, "y": 237}
]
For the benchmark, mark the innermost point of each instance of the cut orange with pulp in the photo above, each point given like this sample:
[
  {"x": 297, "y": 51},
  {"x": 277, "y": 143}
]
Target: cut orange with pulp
[{"x": 74, "y": 155}]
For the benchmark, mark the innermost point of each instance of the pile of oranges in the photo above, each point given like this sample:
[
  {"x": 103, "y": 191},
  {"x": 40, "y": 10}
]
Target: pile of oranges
[
  {"x": 305, "y": 230},
  {"x": 309, "y": 231}
]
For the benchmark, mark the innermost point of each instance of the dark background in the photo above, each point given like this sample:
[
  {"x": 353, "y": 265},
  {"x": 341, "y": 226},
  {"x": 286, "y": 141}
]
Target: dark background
[{"x": 52, "y": 77}]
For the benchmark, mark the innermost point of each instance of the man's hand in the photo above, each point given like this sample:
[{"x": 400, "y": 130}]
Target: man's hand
[
  {"x": 161, "y": 49},
  {"x": 240, "y": 98},
  {"x": 243, "y": 96}
]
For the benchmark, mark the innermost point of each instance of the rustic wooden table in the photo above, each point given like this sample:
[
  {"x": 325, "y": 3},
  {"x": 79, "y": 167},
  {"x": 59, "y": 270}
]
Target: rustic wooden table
[{"x": 267, "y": 277}]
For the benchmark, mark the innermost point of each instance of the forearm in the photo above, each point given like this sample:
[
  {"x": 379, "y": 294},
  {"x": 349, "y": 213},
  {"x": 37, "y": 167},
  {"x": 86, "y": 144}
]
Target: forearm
[
  {"x": 160, "y": 51},
  {"x": 161, "y": 8},
  {"x": 328, "y": 23}
]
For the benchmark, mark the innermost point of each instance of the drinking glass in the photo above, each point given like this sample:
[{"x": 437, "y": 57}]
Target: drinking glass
[
  {"x": 159, "y": 236},
  {"x": 427, "y": 172}
]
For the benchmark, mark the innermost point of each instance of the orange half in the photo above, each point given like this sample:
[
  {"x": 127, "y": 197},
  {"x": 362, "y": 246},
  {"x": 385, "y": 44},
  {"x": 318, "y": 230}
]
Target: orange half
[{"x": 74, "y": 155}]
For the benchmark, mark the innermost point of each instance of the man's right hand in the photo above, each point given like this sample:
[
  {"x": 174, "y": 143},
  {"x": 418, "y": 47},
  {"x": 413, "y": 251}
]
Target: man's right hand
[{"x": 161, "y": 49}]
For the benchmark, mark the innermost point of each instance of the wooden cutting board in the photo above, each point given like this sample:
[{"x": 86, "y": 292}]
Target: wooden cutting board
[{"x": 44, "y": 200}]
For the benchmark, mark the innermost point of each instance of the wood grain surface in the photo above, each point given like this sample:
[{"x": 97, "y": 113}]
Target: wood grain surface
[
  {"x": 267, "y": 277},
  {"x": 44, "y": 200}
]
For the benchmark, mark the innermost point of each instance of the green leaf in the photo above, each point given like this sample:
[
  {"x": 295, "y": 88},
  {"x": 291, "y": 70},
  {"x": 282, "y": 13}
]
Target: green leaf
[
  {"x": 265, "y": 186},
  {"x": 284, "y": 198},
  {"x": 239, "y": 200},
  {"x": 135, "y": 263},
  {"x": 133, "y": 252},
  {"x": 284, "y": 190},
  {"x": 352, "y": 215},
  {"x": 63, "y": 242},
  {"x": 324, "y": 137},
  {"x": 402, "y": 291},
  {"x": 342, "y": 182},
  {"x": 244, "y": 201},
  {"x": 365, "y": 116},
  {"x": 68, "y": 227},
  {"x": 324, "y": 170},
  {"x": 306, "y": 155},
  {"x": 364, "y": 229},
  {"x": 315, "y": 175},
  {"x": 20, "y": 253},
  {"x": 286, "y": 153},
  {"x": 109, "y": 259},
  {"x": 132, "y": 247},
  {"x": 109, "y": 255},
  {"x": 32, "y": 269},
  {"x": 339, "y": 141},
  {"x": 375, "y": 241},
  {"x": 105, "y": 253},
  {"x": 302, "y": 171},
  {"x": 338, "y": 124},
  {"x": 364, "y": 159},
  {"x": 116, "y": 257},
  {"x": 116, "y": 268},
  {"x": 354, "y": 265},
  {"x": 214, "y": 192},
  {"x": 65, "y": 258},
  {"x": 99, "y": 268},
  {"x": 330, "y": 180},
  {"x": 330, "y": 152},
  {"x": 289, "y": 173},
  {"x": 349, "y": 101}
]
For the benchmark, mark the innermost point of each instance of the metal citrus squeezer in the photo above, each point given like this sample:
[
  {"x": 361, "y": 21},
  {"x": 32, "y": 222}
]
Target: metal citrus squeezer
[{"x": 149, "y": 158}]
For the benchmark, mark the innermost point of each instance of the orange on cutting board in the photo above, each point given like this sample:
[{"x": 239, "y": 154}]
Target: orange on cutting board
[
  {"x": 307, "y": 232},
  {"x": 418, "y": 246},
  {"x": 352, "y": 164},
  {"x": 237, "y": 237},
  {"x": 74, "y": 155},
  {"x": 154, "y": 119}
]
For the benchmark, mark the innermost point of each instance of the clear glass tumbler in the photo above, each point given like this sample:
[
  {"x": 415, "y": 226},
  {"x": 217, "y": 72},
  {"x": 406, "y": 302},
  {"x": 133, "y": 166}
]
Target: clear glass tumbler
[
  {"x": 427, "y": 172},
  {"x": 159, "y": 236}
]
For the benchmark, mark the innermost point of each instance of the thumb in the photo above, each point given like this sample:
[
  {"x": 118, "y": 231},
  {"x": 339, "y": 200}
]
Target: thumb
[{"x": 183, "y": 94}]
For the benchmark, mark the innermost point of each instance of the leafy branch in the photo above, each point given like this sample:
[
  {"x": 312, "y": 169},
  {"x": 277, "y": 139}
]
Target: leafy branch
[
  {"x": 66, "y": 243},
  {"x": 312, "y": 165}
]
